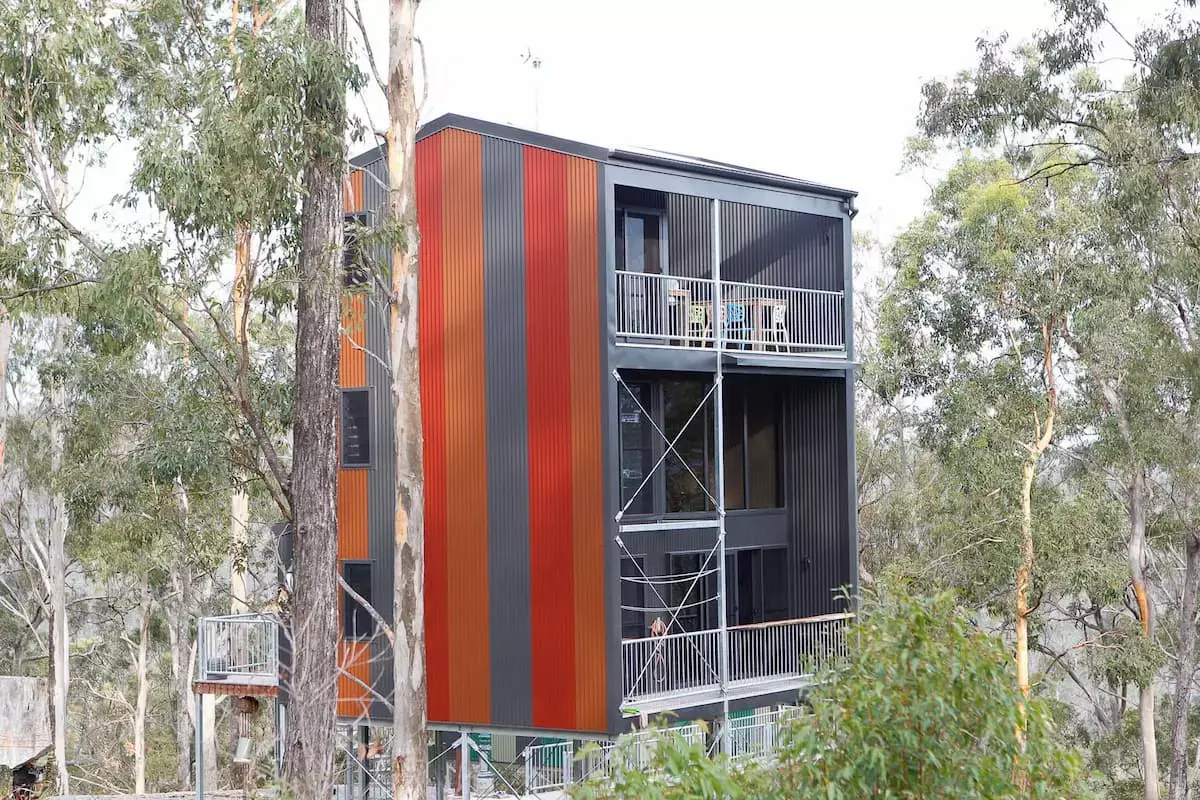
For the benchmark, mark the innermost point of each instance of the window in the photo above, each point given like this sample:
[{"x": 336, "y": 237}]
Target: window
[
  {"x": 699, "y": 604},
  {"x": 762, "y": 465},
  {"x": 640, "y": 242},
  {"x": 691, "y": 462},
  {"x": 775, "y": 584},
  {"x": 356, "y": 620},
  {"x": 354, "y": 267},
  {"x": 636, "y": 450},
  {"x": 633, "y": 600},
  {"x": 735, "y": 448},
  {"x": 751, "y": 411},
  {"x": 356, "y": 427}
]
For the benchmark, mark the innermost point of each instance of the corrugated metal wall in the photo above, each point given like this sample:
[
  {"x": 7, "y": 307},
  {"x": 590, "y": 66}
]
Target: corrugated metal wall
[
  {"x": 783, "y": 248},
  {"x": 816, "y": 484},
  {"x": 511, "y": 379},
  {"x": 353, "y": 524},
  {"x": 365, "y": 495},
  {"x": 507, "y": 442}
]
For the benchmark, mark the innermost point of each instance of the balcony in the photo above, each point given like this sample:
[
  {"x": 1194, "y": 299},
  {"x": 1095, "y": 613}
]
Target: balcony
[
  {"x": 682, "y": 670},
  {"x": 238, "y": 651},
  {"x": 677, "y": 312}
]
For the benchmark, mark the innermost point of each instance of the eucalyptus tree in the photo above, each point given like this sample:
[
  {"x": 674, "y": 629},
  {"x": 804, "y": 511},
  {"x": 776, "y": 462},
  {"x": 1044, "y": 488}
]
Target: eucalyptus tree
[
  {"x": 978, "y": 317},
  {"x": 1135, "y": 343}
]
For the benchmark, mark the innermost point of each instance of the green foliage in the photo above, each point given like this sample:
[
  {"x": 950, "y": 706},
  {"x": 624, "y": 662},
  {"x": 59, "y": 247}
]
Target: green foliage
[{"x": 926, "y": 706}]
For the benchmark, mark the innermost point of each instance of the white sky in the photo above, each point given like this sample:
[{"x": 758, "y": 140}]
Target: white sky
[{"x": 826, "y": 91}]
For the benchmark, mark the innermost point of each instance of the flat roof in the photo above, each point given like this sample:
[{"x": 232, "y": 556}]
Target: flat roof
[{"x": 618, "y": 155}]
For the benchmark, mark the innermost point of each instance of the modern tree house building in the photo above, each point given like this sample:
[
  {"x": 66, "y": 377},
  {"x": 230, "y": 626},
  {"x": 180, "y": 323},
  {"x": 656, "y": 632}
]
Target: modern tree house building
[
  {"x": 636, "y": 378},
  {"x": 637, "y": 390}
]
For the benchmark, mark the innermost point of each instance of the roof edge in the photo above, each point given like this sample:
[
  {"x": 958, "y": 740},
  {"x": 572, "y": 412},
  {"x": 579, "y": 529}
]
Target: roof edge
[
  {"x": 677, "y": 163},
  {"x": 513, "y": 134},
  {"x": 717, "y": 169}
]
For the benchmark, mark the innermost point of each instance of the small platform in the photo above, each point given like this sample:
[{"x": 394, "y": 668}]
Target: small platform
[{"x": 242, "y": 686}]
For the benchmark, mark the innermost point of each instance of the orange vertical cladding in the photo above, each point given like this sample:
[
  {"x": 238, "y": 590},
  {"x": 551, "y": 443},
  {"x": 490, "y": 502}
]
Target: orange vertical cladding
[
  {"x": 466, "y": 532},
  {"x": 354, "y": 676},
  {"x": 353, "y": 657},
  {"x": 430, "y": 318},
  {"x": 587, "y": 497}
]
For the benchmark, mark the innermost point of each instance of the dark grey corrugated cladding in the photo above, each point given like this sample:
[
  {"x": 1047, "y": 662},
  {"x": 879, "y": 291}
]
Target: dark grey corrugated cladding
[
  {"x": 507, "y": 434},
  {"x": 781, "y": 248},
  {"x": 817, "y": 480}
]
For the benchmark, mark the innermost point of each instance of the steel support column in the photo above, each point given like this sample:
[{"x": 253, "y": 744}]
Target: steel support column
[
  {"x": 199, "y": 746},
  {"x": 719, "y": 458}
]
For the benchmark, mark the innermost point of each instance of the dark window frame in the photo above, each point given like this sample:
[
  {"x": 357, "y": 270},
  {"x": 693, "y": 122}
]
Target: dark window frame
[
  {"x": 351, "y": 610},
  {"x": 664, "y": 248},
  {"x": 641, "y": 628},
  {"x": 355, "y": 272},
  {"x": 369, "y": 462},
  {"x": 657, "y": 486}
]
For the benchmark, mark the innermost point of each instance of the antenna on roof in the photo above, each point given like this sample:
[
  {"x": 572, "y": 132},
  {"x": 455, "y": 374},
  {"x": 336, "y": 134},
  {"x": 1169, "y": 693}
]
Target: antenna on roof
[{"x": 536, "y": 63}]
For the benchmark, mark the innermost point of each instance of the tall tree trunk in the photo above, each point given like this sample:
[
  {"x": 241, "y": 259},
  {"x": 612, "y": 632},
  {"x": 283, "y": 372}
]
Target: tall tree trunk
[
  {"x": 60, "y": 666},
  {"x": 6, "y": 326},
  {"x": 410, "y": 751},
  {"x": 239, "y": 507},
  {"x": 1137, "y": 574},
  {"x": 1024, "y": 570},
  {"x": 1185, "y": 670},
  {"x": 1043, "y": 433},
  {"x": 181, "y": 689},
  {"x": 142, "y": 667},
  {"x": 308, "y": 771}
]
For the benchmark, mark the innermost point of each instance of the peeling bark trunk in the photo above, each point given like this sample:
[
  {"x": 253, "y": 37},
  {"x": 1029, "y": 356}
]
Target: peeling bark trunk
[
  {"x": 142, "y": 667},
  {"x": 239, "y": 506},
  {"x": 1137, "y": 573},
  {"x": 308, "y": 768},
  {"x": 1185, "y": 670},
  {"x": 1043, "y": 434},
  {"x": 60, "y": 666},
  {"x": 410, "y": 751}
]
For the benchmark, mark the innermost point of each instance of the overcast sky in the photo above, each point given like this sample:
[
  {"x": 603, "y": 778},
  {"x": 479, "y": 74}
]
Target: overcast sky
[
  {"x": 826, "y": 91},
  {"x": 823, "y": 91}
]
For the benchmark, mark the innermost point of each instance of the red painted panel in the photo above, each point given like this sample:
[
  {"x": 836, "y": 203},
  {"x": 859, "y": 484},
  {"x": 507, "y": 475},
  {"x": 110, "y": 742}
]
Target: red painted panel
[
  {"x": 548, "y": 364},
  {"x": 433, "y": 412},
  {"x": 466, "y": 427}
]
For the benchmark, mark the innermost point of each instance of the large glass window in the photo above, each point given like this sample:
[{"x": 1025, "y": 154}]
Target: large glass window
[{"x": 751, "y": 412}]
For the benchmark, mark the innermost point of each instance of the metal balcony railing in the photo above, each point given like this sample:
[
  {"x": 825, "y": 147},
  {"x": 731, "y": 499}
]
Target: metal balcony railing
[
  {"x": 243, "y": 648},
  {"x": 763, "y": 658},
  {"x": 673, "y": 311},
  {"x": 555, "y": 766},
  {"x": 758, "y": 735}
]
